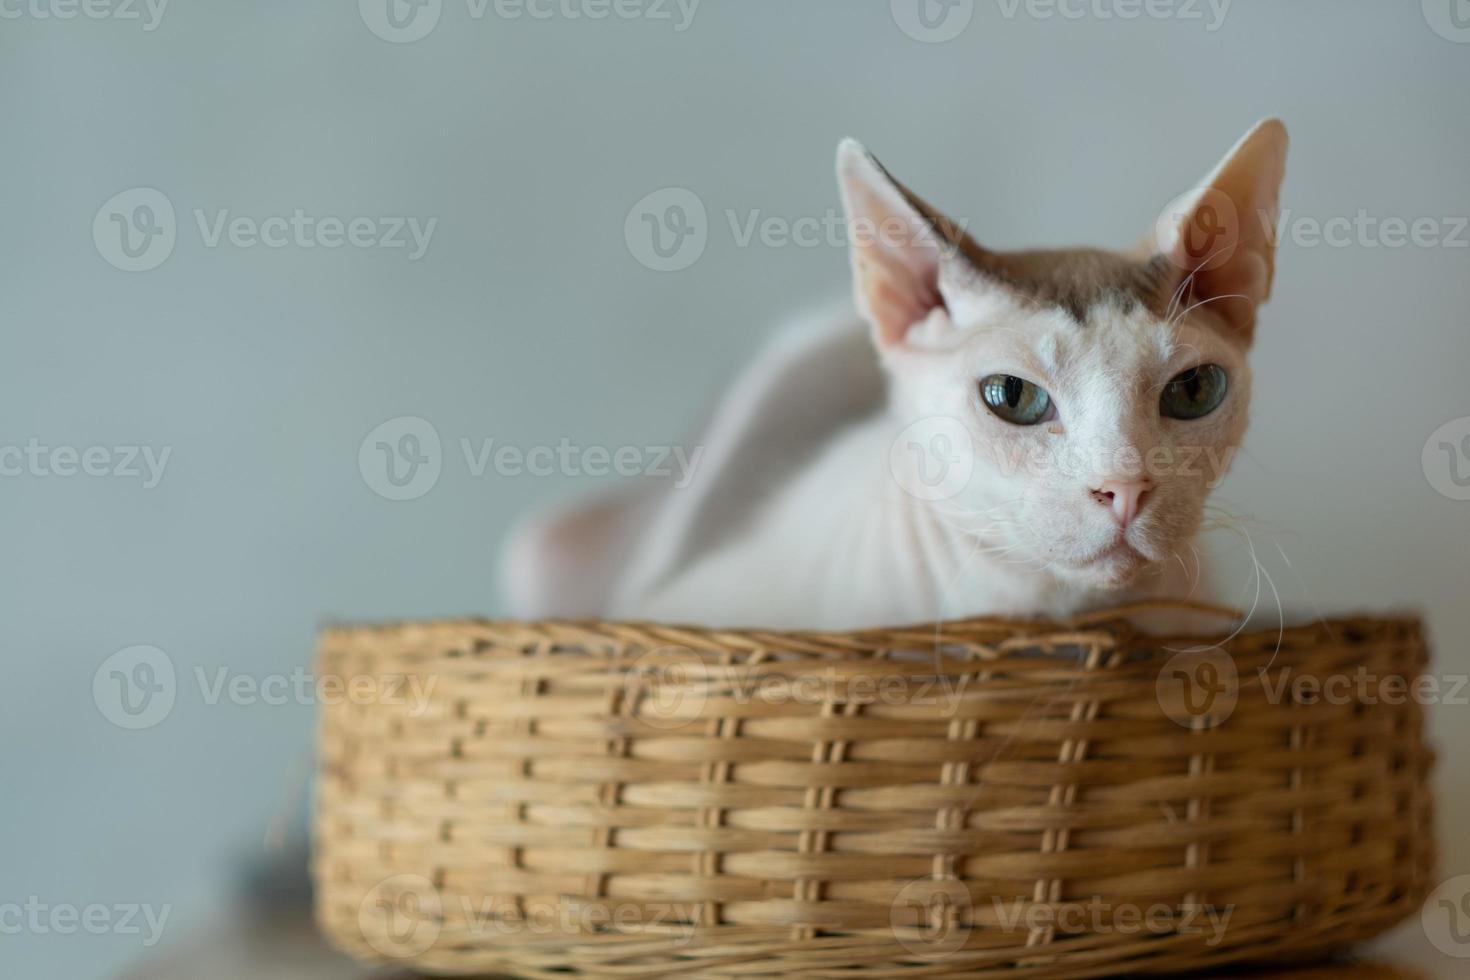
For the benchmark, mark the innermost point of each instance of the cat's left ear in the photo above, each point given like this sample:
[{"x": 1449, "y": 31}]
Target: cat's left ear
[
  {"x": 898, "y": 245},
  {"x": 1222, "y": 236}
]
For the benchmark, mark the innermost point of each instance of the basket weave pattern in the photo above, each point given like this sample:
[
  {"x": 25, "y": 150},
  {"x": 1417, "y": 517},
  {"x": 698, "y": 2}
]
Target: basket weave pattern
[{"x": 989, "y": 798}]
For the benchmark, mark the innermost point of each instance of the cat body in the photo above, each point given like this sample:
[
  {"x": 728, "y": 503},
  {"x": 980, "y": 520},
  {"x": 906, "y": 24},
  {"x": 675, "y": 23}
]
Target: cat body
[
  {"x": 844, "y": 547},
  {"x": 1038, "y": 437}
]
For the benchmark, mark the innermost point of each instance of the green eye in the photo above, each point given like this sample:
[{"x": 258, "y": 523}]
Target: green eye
[
  {"x": 1194, "y": 393},
  {"x": 1015, "y": 399}
]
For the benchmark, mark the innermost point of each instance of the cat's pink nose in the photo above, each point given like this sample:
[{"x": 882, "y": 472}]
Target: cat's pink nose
[{"x": 1125, "y": 497}]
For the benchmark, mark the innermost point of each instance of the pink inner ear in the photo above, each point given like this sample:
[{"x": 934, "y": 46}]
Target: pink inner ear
[
  {"x": 1230, "y": 280},
  {"x": 899, "y": 288},
  {"x": 1228, "y": 239},
  {"x": 895, "y": 251}
]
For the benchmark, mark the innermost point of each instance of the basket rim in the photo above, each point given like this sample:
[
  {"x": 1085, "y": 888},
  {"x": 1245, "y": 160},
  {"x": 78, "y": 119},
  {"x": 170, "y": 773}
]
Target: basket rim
[{"x": 1111, "y": 624}]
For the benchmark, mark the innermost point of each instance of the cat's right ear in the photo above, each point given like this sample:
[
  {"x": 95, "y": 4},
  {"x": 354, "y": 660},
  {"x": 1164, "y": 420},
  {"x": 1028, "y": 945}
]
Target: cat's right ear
[{"x": 896, "y": 243}]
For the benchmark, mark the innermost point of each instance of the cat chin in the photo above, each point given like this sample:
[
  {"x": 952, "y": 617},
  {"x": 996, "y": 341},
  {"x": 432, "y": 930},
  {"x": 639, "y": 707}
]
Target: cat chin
[{"x": 1113, "y": 571}]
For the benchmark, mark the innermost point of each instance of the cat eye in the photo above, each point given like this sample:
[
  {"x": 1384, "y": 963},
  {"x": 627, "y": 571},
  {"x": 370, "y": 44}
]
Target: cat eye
[
  {"x": 1016, "y": 400},
  {"x": 1195, "y": 393}
]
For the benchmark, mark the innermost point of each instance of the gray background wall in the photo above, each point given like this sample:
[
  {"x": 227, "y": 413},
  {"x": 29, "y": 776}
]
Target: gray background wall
[{"x": 528, "y": 320}]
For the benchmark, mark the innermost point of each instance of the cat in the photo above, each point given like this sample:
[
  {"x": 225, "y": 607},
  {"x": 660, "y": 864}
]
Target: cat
[{"x": 1017, "y": 433}]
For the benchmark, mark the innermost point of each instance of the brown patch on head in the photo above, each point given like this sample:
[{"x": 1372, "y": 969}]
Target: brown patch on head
[
  {"x": 1071, "y": 279},
  {"x": 1077, "y": 279}
]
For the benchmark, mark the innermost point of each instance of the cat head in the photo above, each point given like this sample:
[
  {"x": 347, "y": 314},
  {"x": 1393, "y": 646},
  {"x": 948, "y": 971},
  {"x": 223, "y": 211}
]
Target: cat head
[{"x": 1089, "y": 400}]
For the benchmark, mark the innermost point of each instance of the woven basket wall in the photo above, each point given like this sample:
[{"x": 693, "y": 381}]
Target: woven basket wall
[{"x": 986, "y": 799}]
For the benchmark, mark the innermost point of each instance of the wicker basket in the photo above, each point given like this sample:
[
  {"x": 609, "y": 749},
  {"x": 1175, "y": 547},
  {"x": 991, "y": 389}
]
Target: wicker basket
[{"x": 982, "y": 799}]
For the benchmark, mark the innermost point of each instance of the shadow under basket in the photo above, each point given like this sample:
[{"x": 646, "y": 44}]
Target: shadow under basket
[{"x": 985, "y": 798}]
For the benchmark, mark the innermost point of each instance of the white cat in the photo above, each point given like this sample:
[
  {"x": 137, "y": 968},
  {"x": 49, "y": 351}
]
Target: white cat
[{"x": 1041, "y": 439}]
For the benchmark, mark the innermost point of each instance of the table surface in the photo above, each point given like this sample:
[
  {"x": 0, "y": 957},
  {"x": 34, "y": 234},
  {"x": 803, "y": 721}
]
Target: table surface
[{"x": 289, "y": 948}]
